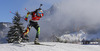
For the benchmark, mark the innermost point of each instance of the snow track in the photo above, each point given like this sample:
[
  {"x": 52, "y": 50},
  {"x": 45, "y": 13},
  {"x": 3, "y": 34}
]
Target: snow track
[{"x": 57, "y": 47}]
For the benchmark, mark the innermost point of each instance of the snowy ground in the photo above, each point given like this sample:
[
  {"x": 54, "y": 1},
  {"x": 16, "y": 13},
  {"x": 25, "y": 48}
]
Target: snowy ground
[{"x": 57, "y": 47}]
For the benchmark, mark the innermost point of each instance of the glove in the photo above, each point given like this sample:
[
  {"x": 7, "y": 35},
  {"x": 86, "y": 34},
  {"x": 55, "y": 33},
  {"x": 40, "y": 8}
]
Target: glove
[
  {"x": 28, "y": 13},
  {"x": 26, "y": 19}
]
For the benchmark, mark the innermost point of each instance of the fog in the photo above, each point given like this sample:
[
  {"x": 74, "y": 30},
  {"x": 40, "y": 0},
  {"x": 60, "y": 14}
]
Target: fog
[
  {"x": 70, "y": 16},
  {"x": 76, "y": 13}
]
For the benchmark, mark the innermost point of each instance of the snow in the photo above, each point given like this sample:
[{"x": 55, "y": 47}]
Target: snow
[
  {"x": 57, "y": 47},
  {"x": 5, "y": 24},
  {"x": 79, "y": 36}
]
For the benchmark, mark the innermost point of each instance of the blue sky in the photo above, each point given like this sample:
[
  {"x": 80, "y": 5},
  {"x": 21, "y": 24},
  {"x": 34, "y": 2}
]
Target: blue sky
[{"x": 20, "y": 5}]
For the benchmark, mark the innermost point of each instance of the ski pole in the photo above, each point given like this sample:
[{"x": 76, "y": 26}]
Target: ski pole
[
  {"x": 15, "y": 14},
  {"x": 40, "y": 5},
  {"x": 12, "y": 13},
  {"x": 26, "y": 9}
]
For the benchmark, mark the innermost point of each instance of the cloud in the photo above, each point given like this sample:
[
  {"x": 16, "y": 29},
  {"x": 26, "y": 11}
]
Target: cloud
[
  {"x": 74, "y": 14},
  {"x": 86, "y": 11},
  {"x": 79, "y": 10},
  {"x": 68, "y": 15}
]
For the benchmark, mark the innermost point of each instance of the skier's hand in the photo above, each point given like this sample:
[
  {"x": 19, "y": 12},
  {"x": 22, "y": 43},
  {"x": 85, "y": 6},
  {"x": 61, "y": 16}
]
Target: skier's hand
[
  {"x": 28, "y": 13},
  {"x": 26, "y": 19}
]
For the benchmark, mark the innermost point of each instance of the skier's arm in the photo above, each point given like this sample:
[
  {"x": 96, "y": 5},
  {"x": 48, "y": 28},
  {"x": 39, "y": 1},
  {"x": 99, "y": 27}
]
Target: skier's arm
[{"x": 26, "y": 18}]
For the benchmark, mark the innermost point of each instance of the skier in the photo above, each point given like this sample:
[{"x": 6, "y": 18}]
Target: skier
[{"x": 36, "y": 15}]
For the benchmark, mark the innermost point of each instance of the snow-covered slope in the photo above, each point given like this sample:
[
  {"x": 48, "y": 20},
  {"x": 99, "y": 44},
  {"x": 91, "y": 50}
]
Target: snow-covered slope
[
  {"x": 57, "y": 47},
  {"x": 79, "y": 36},
  {"x": 4, "y": 27}
]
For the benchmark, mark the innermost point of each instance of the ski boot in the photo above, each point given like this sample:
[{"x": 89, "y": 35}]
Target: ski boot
[
  {"x": 36, "y": 41},
  {"x": 18, "y": 40},
  {"x": 25, "y": 38}
]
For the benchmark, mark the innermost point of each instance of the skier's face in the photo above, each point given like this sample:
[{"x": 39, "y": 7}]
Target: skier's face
[{"x": 39, "y": 13}]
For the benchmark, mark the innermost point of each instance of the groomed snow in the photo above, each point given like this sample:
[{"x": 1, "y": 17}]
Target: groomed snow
[{"x": 57, "y": 47}]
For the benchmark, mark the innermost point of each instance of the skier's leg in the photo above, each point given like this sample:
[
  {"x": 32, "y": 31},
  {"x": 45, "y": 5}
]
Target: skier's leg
[
  {"x": 38, "y": 31},
  {"x": 37, "y": 27},
  {"x": 24, "y": 36},
  {"x": 37, "y": 35},
  {"x": 27, "y": 30}
]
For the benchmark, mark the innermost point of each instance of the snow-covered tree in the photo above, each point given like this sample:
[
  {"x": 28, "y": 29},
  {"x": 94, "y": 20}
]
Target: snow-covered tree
[{"x": 15, "y": 32}]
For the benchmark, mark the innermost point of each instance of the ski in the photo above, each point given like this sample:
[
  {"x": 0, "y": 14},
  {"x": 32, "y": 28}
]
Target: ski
[
  {"x": 40, "y": 44},
  {"x": 18, "y": 44},
  {"x": 44, "y": 44}
]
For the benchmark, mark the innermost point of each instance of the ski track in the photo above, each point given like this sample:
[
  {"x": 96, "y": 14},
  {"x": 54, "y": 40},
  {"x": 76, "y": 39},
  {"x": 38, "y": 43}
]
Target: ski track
[{"x": 57, "y": 47}]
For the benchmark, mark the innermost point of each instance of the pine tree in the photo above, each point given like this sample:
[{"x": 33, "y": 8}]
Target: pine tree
[{"x": 15, "y": 32}]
